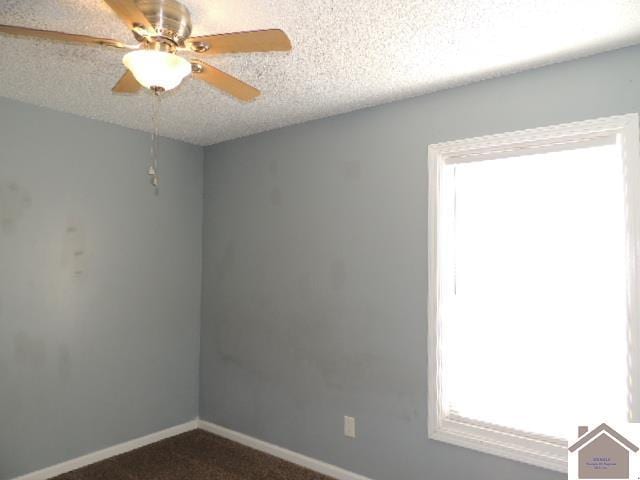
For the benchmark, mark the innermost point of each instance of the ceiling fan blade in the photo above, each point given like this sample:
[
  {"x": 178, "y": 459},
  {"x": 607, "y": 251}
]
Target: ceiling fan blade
[
  {"x": 60, "y": 36},
  {"x": 127, "y": 84},
  {"x": 224, "y": 81},
  {"x": 257, "y": 41},
  {"x": 130, "y": 14}
]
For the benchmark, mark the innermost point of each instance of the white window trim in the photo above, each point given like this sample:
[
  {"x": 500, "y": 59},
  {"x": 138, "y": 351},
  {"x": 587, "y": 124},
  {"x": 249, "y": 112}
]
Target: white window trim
[{"x": 451, "y": 428}]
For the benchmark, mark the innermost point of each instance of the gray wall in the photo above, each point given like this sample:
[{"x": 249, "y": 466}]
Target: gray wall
[
  {"x": 99, "y": 286},
  {"x": 314, "y": 277}
]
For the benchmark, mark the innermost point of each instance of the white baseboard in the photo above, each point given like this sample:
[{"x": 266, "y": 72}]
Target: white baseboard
[
  {"x": 288, "y": 455},
  {"x": 94, "y": 457}
]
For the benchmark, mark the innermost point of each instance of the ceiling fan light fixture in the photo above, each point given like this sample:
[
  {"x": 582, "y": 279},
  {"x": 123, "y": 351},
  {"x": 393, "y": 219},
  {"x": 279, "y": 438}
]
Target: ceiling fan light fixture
[{"x": 155, "y": 69}]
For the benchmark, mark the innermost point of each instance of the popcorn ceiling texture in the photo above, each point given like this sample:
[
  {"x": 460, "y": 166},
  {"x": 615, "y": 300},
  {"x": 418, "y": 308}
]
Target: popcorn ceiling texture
[{"x": 347, "y": 55}]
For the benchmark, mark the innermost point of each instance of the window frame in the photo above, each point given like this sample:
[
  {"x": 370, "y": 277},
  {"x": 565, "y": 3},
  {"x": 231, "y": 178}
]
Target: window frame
[{"x": 448, "y": 427}]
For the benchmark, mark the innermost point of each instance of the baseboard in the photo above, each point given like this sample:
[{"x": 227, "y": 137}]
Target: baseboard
[
  {"x": 94, "y": 457},
  {"x": 288, "y": 455}
]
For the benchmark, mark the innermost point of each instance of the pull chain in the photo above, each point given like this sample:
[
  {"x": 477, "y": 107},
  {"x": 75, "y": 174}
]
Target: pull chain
[{"x": 155, "y": 139}]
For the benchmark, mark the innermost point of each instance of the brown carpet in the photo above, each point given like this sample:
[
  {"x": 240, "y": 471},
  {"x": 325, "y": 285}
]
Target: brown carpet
[{"x": 195, "y": 455}]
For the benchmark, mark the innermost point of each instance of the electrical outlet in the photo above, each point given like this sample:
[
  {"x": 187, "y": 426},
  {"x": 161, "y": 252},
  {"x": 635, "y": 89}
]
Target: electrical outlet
[{"x": 349, "y": 427}]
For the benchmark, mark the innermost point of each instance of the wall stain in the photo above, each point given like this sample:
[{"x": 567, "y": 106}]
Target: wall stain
[
  {"x": 29, "y": 350},
  {"x": 14, "y": 200},
  {"x": 276, "y": 197},
  {"x": 352, "y": 170},
  {"x": 225, "y": 266},
  {"x": 273, "y": 167},
  {"x": 4, "y": 368},
  {"x": 74, "y": 253},
  {"x": 64, "y": 362},
  {"x": 338, "y": 274}
]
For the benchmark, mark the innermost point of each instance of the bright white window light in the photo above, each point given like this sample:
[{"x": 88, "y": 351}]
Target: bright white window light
[
  {"x": 536, "y": 335},
  {"x": 534, "y": 303},
  {"x": 157, "y": 69}
]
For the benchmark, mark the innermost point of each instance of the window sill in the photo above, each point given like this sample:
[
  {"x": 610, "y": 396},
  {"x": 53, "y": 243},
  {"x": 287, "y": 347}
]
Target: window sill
[{"x": 519, "y": 446}]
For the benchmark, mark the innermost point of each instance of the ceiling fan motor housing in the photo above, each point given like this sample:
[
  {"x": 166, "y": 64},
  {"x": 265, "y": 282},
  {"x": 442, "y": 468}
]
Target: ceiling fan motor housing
[{"x": 170, "y": 18}]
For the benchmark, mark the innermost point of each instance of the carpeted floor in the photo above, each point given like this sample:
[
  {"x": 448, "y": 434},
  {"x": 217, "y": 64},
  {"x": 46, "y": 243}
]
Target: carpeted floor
[{"x": 195, "y": 455}]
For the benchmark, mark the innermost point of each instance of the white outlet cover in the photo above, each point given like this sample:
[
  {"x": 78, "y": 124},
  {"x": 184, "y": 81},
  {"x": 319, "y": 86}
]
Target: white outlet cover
[{"x": 349, "y": 427}]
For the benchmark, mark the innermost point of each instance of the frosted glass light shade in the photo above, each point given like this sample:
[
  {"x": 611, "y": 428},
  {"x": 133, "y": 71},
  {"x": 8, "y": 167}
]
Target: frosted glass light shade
[{"x": 157, "y": 69}]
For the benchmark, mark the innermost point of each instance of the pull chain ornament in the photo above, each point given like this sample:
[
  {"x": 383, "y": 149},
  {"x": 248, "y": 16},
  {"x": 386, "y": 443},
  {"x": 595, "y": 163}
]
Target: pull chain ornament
[{"x": 155, "y": 139}]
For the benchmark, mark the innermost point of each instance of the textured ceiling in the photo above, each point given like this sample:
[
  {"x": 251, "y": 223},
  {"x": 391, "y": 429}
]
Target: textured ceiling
[{"x": 347, "y": 55}]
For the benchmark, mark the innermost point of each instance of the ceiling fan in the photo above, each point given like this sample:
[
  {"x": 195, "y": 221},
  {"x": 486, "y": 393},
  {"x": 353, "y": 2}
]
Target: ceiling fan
[{"x": 162, "y": 29}]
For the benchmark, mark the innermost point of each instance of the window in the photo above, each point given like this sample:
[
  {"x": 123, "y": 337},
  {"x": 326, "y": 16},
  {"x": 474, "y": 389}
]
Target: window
[{"x": 533, "y": 295}]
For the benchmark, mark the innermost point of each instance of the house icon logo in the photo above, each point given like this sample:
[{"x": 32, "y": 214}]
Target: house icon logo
[{"x": 603, "y": 453}]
